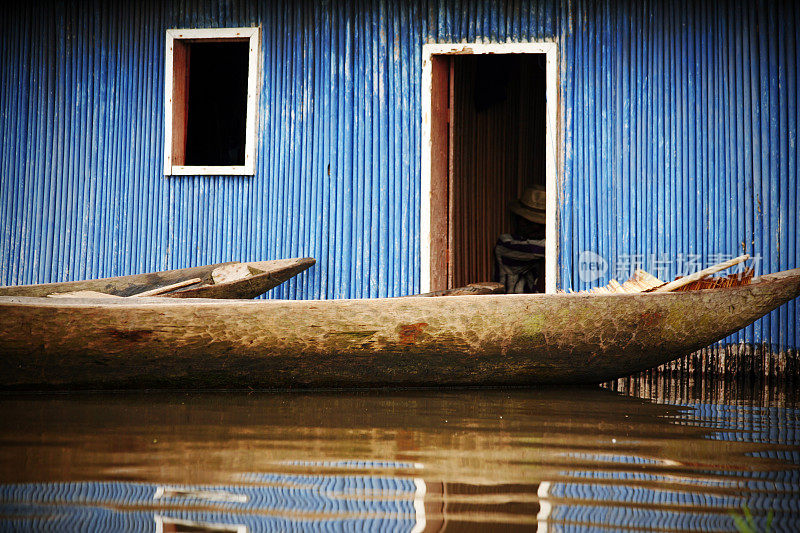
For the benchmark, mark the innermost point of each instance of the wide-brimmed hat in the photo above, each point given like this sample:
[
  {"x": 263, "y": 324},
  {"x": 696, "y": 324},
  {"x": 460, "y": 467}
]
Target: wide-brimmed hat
[{"x": 532, "y": 204}]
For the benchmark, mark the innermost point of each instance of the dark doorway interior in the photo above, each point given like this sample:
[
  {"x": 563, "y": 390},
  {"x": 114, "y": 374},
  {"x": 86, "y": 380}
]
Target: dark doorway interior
[
  {"x": 217, "y": 103},
  {"x": 497, "y": 136}
]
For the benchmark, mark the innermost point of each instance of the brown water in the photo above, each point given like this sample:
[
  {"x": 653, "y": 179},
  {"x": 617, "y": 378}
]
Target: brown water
[{"x": 658, "y": 455}]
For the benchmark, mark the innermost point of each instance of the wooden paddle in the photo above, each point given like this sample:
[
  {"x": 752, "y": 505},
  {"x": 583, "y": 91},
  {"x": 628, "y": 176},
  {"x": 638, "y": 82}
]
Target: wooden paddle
[
  {"x": 680, "y": 282},
  {"x": 167, "y": 288}
]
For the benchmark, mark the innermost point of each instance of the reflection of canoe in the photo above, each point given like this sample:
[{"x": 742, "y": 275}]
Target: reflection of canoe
[
  {"x": 470, "y": 340},
  {"x": 205, "y": 437},
  {"x": 389, "y": 460},
  {"x": 249, "y": 280}
]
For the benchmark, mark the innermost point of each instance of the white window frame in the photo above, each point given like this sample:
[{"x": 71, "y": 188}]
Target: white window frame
[
  {"x": 552, "y": 136},
  {"x": 214, "y": 34}
]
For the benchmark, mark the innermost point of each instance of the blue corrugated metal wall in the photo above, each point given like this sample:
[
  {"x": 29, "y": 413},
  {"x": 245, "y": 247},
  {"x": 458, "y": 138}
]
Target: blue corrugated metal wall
[
  {"x": 83, "y": 193},
  {"x": 679, "y": 137}
]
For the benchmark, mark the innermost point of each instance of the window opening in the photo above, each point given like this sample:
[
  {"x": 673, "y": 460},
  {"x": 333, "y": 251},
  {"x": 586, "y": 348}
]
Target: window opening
[
  {"x": 217, "y": 107},
  {"x": 211, "y": 101}
]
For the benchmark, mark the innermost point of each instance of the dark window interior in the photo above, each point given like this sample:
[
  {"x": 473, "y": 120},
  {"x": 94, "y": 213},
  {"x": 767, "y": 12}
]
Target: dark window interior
[
  {"x": 498, "y": 150},
  {"x": 217, "y": 103}
]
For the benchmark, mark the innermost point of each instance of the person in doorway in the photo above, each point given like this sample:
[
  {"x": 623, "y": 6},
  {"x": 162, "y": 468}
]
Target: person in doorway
[{"x": 519, "y": 255}]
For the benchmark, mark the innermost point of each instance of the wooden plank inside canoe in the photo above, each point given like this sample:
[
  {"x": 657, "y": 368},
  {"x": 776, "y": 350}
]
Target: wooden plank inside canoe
[
  {"x": 484, "y": 287},
  {"x": 731, "y": 280},
  {"x": 117, "y": 286},
  {"x": 264, "y": 276},
  {"x": 228, "y": 273},
  {"x": 161, "y": 290},
  {"x": 640, "y": 281},
  {"x": 680, "y": 282},
  {"x": 82, "y": 294},
  {"x": 260, "y": 277}
]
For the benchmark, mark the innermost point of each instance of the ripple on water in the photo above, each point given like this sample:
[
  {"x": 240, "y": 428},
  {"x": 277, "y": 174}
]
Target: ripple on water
[{"x": 666, "y": 455}]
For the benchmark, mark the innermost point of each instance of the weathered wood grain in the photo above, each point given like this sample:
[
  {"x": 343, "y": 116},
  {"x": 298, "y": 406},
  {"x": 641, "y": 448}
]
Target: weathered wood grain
[
  {"x": 175, "y": 286},
  {"x": 470, "y": 340},
  {"x": 82, "y": 294},
  {"x": 484, "y": 287},
  {"x": 228, "y": 273},
  {"x": 713, "y": 269},
  {"x": 268, "y": 274}
]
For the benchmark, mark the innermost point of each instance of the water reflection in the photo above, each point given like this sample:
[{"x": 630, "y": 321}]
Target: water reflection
[{"x": 645, "y": 457}]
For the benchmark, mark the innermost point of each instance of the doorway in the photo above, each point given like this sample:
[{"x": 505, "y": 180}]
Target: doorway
[{"x": 488, "y": 136}]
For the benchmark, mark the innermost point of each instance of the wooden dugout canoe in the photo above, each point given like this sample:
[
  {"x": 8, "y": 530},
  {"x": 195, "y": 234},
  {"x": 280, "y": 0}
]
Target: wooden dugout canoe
[
  {"x": 413, "y": 341},
  {"x": 264, "y": 275}
]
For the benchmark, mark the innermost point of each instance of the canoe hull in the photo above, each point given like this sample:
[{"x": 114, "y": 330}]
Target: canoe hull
[
  {"x": 271, "y": 274},
  {"x": 466, "y": 340}
]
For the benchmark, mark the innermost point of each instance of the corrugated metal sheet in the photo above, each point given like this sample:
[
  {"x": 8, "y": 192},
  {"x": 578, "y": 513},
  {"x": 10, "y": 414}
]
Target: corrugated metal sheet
[
  {"x": 85, "y": 518},
  {"x": 681, "y": 140},
  {"x": 83, "y": 193},
  {"x": 288, "y": 503},
  {"x": 679, "y": 137},
  {"x": 320, "y": 496}
]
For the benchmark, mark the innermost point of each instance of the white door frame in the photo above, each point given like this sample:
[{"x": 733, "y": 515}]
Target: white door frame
[{"x": 550, "y": 49}]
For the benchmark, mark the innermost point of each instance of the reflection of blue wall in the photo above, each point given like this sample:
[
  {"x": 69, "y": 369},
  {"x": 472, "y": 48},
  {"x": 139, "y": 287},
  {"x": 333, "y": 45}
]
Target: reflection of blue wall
[
  {"x": 620, "y": 506},
  {"x": 76, "y": 518},
  {"x": 388, "y": 502},
  {"x": 775, "y": 425},
  {"x": 625, "y": 518},
  {"x": 327, "y": 493},
  {"x": 645, "y": 479},
  {"x": 679, "y": 137},
  {"x": 652, "y": 492}
]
